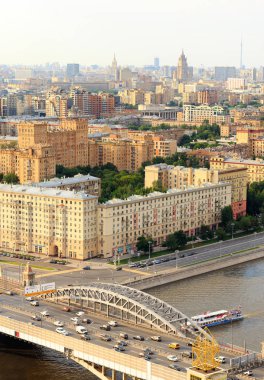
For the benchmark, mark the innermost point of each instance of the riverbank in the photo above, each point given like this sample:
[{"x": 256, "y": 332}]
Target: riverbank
[{"x": 177, "y": 274}]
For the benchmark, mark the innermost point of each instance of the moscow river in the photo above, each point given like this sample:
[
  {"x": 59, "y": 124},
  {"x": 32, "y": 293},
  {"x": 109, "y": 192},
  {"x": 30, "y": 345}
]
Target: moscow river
[{"x": 241, "y": 285}]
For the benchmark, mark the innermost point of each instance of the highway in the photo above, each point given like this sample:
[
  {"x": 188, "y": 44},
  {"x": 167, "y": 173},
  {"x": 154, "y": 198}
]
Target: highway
[
  {"x": 18, "y": 308},
  {"x": 209, "y": 252}
]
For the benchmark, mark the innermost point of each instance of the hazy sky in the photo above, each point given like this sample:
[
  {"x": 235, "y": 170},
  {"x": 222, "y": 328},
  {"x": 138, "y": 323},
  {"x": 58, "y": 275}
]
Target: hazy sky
[{"x": 90, "y": 31}]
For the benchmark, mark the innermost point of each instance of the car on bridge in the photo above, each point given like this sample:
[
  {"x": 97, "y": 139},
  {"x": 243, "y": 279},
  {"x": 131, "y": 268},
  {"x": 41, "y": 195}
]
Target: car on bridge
[
  {"x": 80, "y": 313},
  {"x": 34, "y": 303},
  {"x": 62, "y": 331},
  {"x": 172, "y": 358},
  {"x": 139, "y": 337},
  {"x": 36, "y": 317},
  {"x": 75, "y": 320},
  {"x": 29, "y": 299},
  {"x": 174, "y": 346},
  {"x": 106, "y": 338},
  {"x": 66, "y": 308},
  {"x": 87, "y": 320},
  {"x": 123, "y": 335},
  {"x": 81, "y": 330},
  {"x": 174, "y": 366},
  {"x": 121, "y": 342},
  {"x": 220, "y": 359},
  {"x": 85, "y": 337},
  {"x": 113, "y": 323},
  {"x": 119, "y": 347},
  {"x": 58, "y": 323},
  {"x": 105, "y": 327},
  {"x": 156, "y": 338},
  {"x": 45, "y": 313}
]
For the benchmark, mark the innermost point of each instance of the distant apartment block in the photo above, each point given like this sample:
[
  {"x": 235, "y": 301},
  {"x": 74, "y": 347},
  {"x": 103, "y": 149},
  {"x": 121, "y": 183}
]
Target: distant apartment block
[{"x": 214, "y": 114}]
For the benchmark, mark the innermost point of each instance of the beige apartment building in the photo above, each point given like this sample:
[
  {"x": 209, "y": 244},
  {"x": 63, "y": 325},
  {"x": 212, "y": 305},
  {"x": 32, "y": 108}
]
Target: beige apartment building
[
  {"x": 257, "y": 147},
  {"x": 121, "y": 222},
  {"x": 214, "y": 114},
  {"x": 179, "y": 177},
  {"x": 244, "y": 134},
  {"x": 49, "y": 221},
  {"x": 255, "y": 168}
]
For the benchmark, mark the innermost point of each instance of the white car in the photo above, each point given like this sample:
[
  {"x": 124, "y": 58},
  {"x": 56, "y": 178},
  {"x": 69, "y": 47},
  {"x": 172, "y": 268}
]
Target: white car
[
  {"x": 113, "y": 323},
  {"x": 248, "y": 373},
  {"x": 45, "y": 313},
  {"x": 80, "y": 313},
  {"x": 172, "y": 358},
  {"x": 75, "y": 319},
  {"x": 220, "y": 359},
  {"x": 34, "y": 303},
  {"x": 58, "y": 323},
  {"x": 29, "y": 299},
  {"x": 62, "y": 331}
]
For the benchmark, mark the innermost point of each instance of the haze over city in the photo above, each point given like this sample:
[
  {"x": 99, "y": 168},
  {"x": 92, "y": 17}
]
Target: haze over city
[{"x": 89, "y": 32}]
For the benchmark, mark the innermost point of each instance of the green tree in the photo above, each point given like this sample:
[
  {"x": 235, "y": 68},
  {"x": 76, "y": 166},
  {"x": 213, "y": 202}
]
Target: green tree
[
  {"x": 206, "y": 233},
  {"x": 11, "y": 178},
  {"x": 220, "y": 233},
  {"x": 245, "y": 223},
  {"x": 171, "y": 242},
  {"x": 184, "y": 140},
  {"x": 143, "y": 243},
  {"x": 226, "y": 215}
]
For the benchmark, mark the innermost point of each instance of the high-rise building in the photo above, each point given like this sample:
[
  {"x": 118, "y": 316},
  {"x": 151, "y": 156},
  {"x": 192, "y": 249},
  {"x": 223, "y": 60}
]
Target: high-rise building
[
  {"x": 72, "y": 69},
  {"x": 156, "y": 62},
  {"x": 221, "y": 74},
  {"x": 114, "y": 69},
  {"x": 182, "y": 69}
]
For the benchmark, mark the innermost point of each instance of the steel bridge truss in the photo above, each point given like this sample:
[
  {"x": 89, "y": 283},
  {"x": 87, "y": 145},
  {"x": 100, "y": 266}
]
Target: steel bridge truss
[{"x": 130, "y": 305}]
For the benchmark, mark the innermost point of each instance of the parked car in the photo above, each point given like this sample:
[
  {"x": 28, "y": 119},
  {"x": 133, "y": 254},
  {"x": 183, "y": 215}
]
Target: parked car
[
  {"x": 34, "y": 303},
  {"x": 58, "y": 323},
  {"x": 62, "y": 331},
  {"x": 139, "y": 337},
  {"x": 172, "y": 358}
]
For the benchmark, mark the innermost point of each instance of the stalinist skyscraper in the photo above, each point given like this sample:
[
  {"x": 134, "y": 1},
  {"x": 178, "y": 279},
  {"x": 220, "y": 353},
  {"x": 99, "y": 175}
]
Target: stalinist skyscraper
[
  {"x": 114, "y": 70},
  {"x": 182, "y": 69}
]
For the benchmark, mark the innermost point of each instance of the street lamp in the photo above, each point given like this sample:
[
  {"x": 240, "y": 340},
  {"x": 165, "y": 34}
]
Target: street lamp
[
  {"x": 149, "y": 243},
  {"x": 232, "y": 227},
  {"x": 176, "y": 254},
  {"x": 220, "y": 244}
]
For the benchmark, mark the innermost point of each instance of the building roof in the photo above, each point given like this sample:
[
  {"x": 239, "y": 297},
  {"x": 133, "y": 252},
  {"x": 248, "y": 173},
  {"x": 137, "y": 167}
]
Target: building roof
[
  {"x": 57, "y": 182},
  {"x": 45, "y": 192}
]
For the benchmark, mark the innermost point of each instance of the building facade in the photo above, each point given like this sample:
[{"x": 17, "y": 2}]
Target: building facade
[
  {"x": 214, "y": 114},
  {"x": 49, "y": 221},
  {"x": 179, "y": 177},
  {"x": 121, "y": 222}
]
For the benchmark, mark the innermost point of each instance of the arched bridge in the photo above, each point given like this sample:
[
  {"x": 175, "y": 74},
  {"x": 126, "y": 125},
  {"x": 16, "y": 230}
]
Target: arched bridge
[{"x": 131, "y": 305}]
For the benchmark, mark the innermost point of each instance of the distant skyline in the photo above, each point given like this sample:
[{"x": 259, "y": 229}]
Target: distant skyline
[{"x": 89, "y": 33}]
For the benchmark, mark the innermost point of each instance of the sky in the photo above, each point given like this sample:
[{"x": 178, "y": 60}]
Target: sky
[{"x": 90, "y": 31}]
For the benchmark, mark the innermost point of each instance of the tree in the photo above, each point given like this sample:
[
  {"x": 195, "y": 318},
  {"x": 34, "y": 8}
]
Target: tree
[
  {"x": 220, "y": 233},
  {"x": 171, "y": 242},
  {"x": 11, "y": 178},
  {"x": 184, "y": 140},
  {"x": 176, "y": 240},
  {"x": 245, "y": 223},
  {"x": 206, "y": 233},
  {"x": 181, "y": 238},
  {"x": 143, "y": 243},
  {"x": 226, "y": 215}
]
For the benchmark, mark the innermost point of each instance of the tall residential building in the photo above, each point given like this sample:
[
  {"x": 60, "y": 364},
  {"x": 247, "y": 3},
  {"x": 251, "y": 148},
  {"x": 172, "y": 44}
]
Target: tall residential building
[
  {"x": 245, "y": 134},
  {"x": 56, "y": 105},
  {"x": 50, "y": 221},
  {"x": 180, "y": 177},
  {"x": 236, "y": 84},
  {"x": 121, "y": 222},
  {"x": 209, "y": 97},
  {"x": 182, "y": 69},
  {"x": 114, "y": 69},
  {"x": 72, "y": 69},
  {"x": 100, "y": 105},
  {"x": 156, "y": 62}
]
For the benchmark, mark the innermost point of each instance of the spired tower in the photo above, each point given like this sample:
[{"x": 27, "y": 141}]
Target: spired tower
[
  {"x": 182, "y": 69},
  {"x": 114, "y": 70}
]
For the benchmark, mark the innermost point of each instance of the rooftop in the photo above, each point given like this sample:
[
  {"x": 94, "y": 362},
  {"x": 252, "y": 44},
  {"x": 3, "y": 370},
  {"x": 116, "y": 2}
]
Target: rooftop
[
  {"x": 56, "y": 182},
  {"x": 48, "y": 192}
]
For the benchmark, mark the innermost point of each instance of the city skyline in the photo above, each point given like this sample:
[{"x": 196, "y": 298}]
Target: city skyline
[{"x": 91, "y": 34}]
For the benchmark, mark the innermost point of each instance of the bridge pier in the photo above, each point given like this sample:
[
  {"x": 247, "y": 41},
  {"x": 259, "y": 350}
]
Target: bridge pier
[{"x": 114, "y": 373}]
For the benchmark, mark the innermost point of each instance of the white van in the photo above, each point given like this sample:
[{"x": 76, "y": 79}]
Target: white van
[{"x": 81, "y": 330}]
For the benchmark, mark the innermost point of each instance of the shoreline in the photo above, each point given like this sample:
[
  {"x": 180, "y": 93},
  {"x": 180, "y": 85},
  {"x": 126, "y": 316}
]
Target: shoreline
[{"x": 174, "y": 275}]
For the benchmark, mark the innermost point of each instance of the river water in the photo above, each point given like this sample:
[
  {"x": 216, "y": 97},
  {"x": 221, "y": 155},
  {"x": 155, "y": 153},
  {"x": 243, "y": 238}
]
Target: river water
[{"x": 241, "y": 285}]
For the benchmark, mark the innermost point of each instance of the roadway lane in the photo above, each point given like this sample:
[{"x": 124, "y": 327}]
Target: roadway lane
[
  {"x": 212, "y": 251},
  {"x": 160, "y": 349}
]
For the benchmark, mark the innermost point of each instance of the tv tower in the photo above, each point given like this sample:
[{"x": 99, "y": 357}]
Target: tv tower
[{"x": 241, "y": 54}]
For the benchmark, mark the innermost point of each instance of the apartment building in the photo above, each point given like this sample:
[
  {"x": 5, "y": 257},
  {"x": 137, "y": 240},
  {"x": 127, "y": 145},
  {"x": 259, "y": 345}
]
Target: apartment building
[
  {"x": 121, "y": 222},
  {"x": 214, "y": 114},
  {"x": 244, "y": 134},
  {"x": 179, "y": 177},
  {"x": 56, "y": 105},
  {"x": 207, "y": 97},
  {"x": 85, "y": 183},
  {"x": 255, "y": 168},
  {"x": 257, "y": 147},
  {"x": 49, "y": 221}
]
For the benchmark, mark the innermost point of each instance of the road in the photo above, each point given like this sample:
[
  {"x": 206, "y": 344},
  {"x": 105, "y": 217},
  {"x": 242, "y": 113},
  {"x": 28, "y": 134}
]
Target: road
[
  {"x": 209, "y": 252},
  {"x": 134, "y": 347}
]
